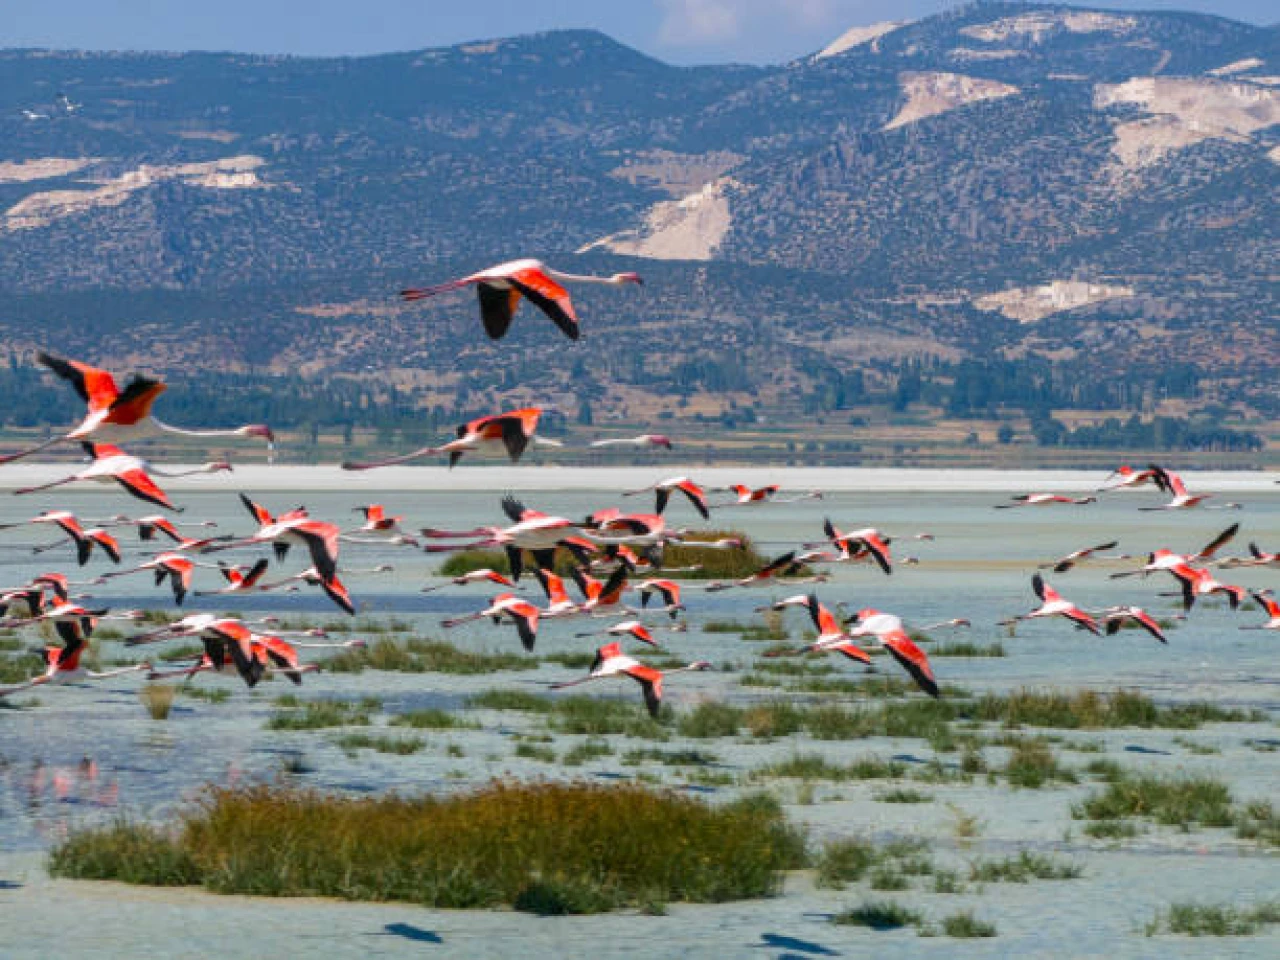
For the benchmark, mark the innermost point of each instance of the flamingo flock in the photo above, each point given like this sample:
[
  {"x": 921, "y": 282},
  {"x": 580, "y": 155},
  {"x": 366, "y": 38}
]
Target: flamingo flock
[{"x": 596, "y": 568}]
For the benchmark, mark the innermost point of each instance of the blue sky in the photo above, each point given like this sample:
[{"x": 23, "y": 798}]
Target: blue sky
[{"x": 680, "y": 31}]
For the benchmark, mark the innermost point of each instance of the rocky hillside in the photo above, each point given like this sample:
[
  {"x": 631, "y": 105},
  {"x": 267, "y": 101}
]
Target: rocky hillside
[{"x": 1010, "y": 183}]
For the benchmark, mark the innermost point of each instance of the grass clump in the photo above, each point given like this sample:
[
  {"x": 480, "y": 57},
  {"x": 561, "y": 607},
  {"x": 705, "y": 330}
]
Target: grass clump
[
  {"x": 714, "y": 564},
  {"x": 207, "y": 694},
  {"x": 399, "y": 746},
  {"x": 1032, "y": 764},
  {"x": 420, "y": 655},
  {"x": 1172, "y": 801},
  {"x": 966, "y": 648},
  {"x": 710, "y": 719},
  {"x": 501, "y": 699},
  {"x": 878, "y": 915},
  {"x": 534, "y": 751},
  {"x": 431, "y": 719},
  {"x": 966, "y": 925},
  {"x": 671, "y": 758},
  {"x": 845, "y": 861},
  {"x": 601, "y": 716},
  {"x": 902, "y": 795},
  {"x": 318, "y": 714},
  {"x": 814, "y": 766},
  {"x": 1259, "y": 821},
  {"x": 1214, "y": 920},
  {"x": 158, "y": 699},
  {"x": 1023, "y": 868},
  {"x": 548, "y": 847},
  {"x": 591, "y": 749}
]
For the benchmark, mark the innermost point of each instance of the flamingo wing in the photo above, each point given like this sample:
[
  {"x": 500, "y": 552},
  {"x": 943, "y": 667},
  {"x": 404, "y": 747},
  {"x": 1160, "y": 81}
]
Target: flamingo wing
[
  {"x": 143, "y": 487},
  {"x": 912, "y": 659},
  {"x": 852, "y": 652},
  {"x": 257, "y": 511},
  {"x": 549, "y": 297},
  {"x": 96, "y": 387},
  {"x": 1218, "y": 542},
  {"x": 1148, "y": 623},
  {"x": 650, "y": 681},
  {"x": 696, "y": 496},
  {"x": 134, "y": 404},
  {"x": 497, "y": 308},
  {"x": 322, "y": 541}
]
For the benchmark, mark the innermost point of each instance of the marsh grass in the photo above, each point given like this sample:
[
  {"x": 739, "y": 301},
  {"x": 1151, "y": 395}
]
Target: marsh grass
[
  {"x": 507, "y": 699},
  {"x": 813, "y": 766},
  {"x": 878, "y": 915},
  {"x": 400, "y": 746},
  {"x": 590, "y": 749},
  {"x": 902, "y": 795},
  {"x": 845, "y": 861},
  {"x": 207, "y": 694},
  {"x": 421, "y": 655},
  {"x": 1259, "y": 821},
  {"x": 715, "y": 564},
  {"x": 1214, "y": 920},
  {"x": 318, "y": 714},
  {"x": 966, "y": 925},
  {"x": 888, "y": 865},
  {"x": 432, "y": 719},
  {"x": 710, "y": 719},
  {"x": 534, "y": 751},
  {"x": 1171, "y": 801},
  {"x": 158, "y": 699},
  {"x": 572, "y": 660},
  {"x": 1023, "y": 868},
  {"x": 670, "y": 758},
  {"x": 549, "y": 847},
  {"x": 20, "y": 668},
  {"x": 965, "y": 648},
  {"x": 1032, "y": 764}
]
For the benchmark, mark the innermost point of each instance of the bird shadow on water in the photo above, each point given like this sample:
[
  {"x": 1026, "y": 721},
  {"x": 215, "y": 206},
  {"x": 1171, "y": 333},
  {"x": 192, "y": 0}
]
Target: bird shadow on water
[
  {"x": 1135, "y": 748},
  {"x": 795, "y": 947},
  {"x": 10, "y": 885},
  {"x": 408, "y": 931}
]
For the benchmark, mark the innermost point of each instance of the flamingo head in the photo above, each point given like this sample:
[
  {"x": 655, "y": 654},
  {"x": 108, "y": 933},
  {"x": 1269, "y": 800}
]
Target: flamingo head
[
  {"x": 660, "y": 440},
  {"x": 357, "y": 644},
  {"x": 218, "y": 466},
  {"x": 627, "y": 278},
  {"x": 259, "y": 430}
]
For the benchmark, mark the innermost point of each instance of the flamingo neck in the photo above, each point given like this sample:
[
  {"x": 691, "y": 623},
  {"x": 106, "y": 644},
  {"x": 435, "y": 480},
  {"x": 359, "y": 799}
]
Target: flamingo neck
[
  {"x": 170, "y": 428},
  {"x": 582, "y": 278}
]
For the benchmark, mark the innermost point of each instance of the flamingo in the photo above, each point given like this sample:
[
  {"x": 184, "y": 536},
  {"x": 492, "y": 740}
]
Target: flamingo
[
  {"x": 170, "y": 566},
  {"x": 150, "y": 526},
  {"x": 644, "y": 440},
  {"x": 1166, "y": 560},
  {"x": 747, "y": 496},
  {"x": 112, "y": 465},
  {"x": 602, "y": 599},
  {"x": 668, "y": 590},
  {"x": 293, "y": 527},
  {"x": 1268, "y": 604},
  {"x": 484, "y": 574},
  {"x": 1170, "y": 483},
  {"x": 1065, "y": 563},
  {"x": 501, "y": 287},
  {"x": 629, "y": 628},
  {"x": 558, "y": 602},
  {"x": 531, "y": 530},
  {"x": 85, "y": 540},
  {"x": 1113, "y": 618},
  {"x": 122, "y": 416},
  {"x": 520, "y": 612},
  {"x": 610, "y": 661},
  {"x": 512, "y": 432},
  {"x": 1042, "y": 500},
  {"x": 376, "y": 519},
  {"x": 334, "y": 588},
  {"x": 1052, "y": 604},
  {"x": 868, "y": 540},
  {"x": 62, "y": 664},
  {"x": 663, "y": 489},
  {"x": 1198, "y": 582},
  {"x": 1257, "y": 558},
  {"x": 239, "y": 580},
  {"x": 783, "y": 566},
  {"x": 892, "y": 636},
  {"x": 832, "y": 638},
  {"x": 1129, "y": 478}
]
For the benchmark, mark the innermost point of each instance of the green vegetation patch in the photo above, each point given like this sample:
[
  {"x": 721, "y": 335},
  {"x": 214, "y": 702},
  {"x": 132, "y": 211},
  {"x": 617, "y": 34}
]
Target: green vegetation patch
[
  {"x": 420, "y": 655},
  {"x": 1214, "y": 920},
  {"x": 547, "y": 847}
]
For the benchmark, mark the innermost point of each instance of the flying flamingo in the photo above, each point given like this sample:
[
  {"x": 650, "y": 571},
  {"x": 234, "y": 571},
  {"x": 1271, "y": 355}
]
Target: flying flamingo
[
  {"x": 644, "y": 440},
  {"x": 1129, "y": 478},
  {"x": 558, "y": 602},
  {"x": 1113, "y": 618},
  {"x": 532, "y": 530},
  {"x": 832, "y": 637},
  {"x": 1268, "y": 604},
  {"x": 62, "y": 664},
  {"x": 85, "y": 540},
  {"x": 783, "y": 566},
  {"x": 610, "y": 661},
  {"x": 376, "y": 519},
  {"x": 293, "y": 527},
  {"x": 501, "y": 287},
  {"x": 239, "y": 579},
  {"x": 747, "y": 496},
  {"x": 1257, "y": 558},
  {"x": 663, "y": 489},
  {"x": 868, "y": 540},
  {"x": 483, "y": 575},
  {"x": 112, "y": 465},
  {"x": 892, "y": 636},
  {"x": 602, "y": 599},
  {"x": 1065, "y": 563},
  {"x": 121, "y": 416},
  {"x": 1166, "y": 560},
  {"x": 1198, "y": 582},
  {"x": 1172, "y": 484},
  {"x": 520, "y": 612},
  {"x": 629, "y": 628},
  {"x": 170, "y": 566},
  {"x": 512, "y": 432},
  {"x": 334, "y": 588},
  {"x": 1042, "y": 500},
  {"x": 1053, "y": 605},
  {"x": 668, "y": 590}
]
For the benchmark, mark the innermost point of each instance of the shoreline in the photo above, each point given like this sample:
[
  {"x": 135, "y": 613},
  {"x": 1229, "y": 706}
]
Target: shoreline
[{"x": 499, "y": 477}]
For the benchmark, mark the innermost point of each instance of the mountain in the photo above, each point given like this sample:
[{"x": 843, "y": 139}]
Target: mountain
[{"x": 1076, "y": 209}]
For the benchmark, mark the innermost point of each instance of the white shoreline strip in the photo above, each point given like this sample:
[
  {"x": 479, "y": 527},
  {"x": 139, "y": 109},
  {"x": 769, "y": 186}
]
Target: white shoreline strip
[{"x": 261, "y": 477}]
